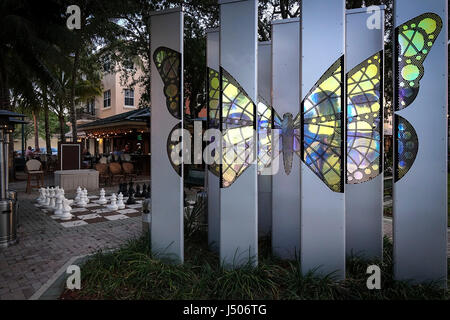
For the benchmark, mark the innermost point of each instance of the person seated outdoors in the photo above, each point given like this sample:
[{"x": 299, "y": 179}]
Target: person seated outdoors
[{"x": 29, "y": 153}]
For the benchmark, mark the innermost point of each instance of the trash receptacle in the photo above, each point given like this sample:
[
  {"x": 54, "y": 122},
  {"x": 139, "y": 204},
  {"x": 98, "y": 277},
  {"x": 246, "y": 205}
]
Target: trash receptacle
[{"x": 8, "y": 222}]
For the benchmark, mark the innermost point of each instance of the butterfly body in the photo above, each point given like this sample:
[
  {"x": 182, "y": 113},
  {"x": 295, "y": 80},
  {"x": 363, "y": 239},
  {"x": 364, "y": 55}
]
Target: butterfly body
[{"x": 287, "y": 141}]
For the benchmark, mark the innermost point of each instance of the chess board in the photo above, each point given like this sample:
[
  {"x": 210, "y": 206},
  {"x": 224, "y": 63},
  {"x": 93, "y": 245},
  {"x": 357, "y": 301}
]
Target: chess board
[{"x": 95, "y": 212}]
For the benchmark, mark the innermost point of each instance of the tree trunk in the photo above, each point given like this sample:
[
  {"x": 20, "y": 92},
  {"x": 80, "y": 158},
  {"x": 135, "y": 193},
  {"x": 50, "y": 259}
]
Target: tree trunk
[
  {"x": 61, "y": 128},
  {"x": 72, "y": 111},
  {"x": 48, "y": 143},
  {"x": 36, "y": 130}
]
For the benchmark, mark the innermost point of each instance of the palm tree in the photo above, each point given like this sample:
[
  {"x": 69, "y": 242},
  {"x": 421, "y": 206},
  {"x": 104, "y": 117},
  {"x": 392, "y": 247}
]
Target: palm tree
[{"x": 30, "y": 32}]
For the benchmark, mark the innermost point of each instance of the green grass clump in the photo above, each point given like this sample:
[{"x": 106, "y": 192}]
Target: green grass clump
[{"x": 132, "y": 272}]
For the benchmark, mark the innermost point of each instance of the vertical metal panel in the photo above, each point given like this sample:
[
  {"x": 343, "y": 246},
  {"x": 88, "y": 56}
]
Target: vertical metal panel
[
  {"x": 364, "y": 201},
  {"x": 322, "y": 210},
  {"x": 420, "y": 196},
  {"x": 239, "y": 202},
  {"x": 264, "y": 181},
  {"x": 212, "y": 61},
  {"x": 286, "y": 99},
  {"x": 166, "y": 185}
]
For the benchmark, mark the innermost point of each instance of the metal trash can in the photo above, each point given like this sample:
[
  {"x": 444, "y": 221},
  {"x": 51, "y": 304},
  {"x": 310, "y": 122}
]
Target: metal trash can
[{"x": 8, "y": 222}]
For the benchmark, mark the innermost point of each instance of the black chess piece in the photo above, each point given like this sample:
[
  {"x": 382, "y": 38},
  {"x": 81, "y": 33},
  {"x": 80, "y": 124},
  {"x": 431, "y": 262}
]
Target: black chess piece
[
  {"x": 138, "y": 191},
  {"x": 144, "y": 191},
  {"x": 124, "y": 191},
  {"x": 147, "y": 192},
  {"x": 131, "y": 192}
]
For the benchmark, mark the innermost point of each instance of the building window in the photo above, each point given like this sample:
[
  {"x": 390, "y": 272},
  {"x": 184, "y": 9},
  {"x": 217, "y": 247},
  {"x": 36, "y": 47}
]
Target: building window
[
  {"x": 90, "y": 107},
  {"x": 107, "y": 99},
  {"x": 129, "y": 97},
  {"x": 107, "y": 65}
]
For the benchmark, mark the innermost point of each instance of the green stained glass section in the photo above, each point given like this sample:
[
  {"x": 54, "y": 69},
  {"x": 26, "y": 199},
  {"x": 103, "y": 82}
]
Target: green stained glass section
[
  {"x": 363, "y": 120},
  {"x": 213, "y": 98},
  {"x": 168, "y": 64},
  {"x": 415, "y": 39}
]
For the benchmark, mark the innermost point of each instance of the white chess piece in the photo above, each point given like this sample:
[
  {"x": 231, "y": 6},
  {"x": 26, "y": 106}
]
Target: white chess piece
[
  {"x": 77, "y": 198},
  {"x": 66, "y": 210},
  {"x": 102, "y": 199},
  {"x": 120, "y": 204},
  {"x": 113, "y": 205},
  {"x": 59, "y": 204},
  {"x": 82, "y": 203},
  {"x": 46, "y": 201},
  {"x": 52, "y": 203},
  {"x": 86, "y": 199},
  {"x": 43, "y": 196},
  {"x": 39, "y": 199}
]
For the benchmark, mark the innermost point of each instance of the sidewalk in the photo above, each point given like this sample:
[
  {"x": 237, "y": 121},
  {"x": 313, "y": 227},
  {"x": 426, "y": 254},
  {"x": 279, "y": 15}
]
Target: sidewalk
[{"x": 45, "y": 246}]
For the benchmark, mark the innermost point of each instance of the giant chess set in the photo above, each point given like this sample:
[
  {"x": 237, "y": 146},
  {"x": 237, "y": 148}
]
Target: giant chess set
[{"x": 86, "y": 209}]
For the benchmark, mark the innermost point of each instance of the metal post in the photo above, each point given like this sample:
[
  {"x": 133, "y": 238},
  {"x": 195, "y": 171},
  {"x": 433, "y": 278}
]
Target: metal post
[{"x": 3, "y": 167}]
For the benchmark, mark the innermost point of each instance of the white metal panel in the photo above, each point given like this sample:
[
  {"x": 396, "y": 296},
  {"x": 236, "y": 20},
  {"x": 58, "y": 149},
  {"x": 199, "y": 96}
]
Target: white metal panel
[
  {"x": 322, "y": 210},
  {"x": 286, "y": 99},
  {"x": 420, "y": 197},
  {"x": 166, "y": 185},
  {"x": 212, "y": 61},
  {"x": 265, "y": 181},
  {"x": 364, "y": 201},
  {"x": 239, "y": 202}
]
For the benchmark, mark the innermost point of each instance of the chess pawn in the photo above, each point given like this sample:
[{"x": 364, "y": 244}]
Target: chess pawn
[
  {"x": 66, "y": 210},
  {"x": 102, "y": 199},
  {"x": 78, "y": 197},
  {"x": 82, "y": 203},
  {"x": 120, "y": 204},
  {"x": 39, "y": 199},
  {"x": 43, "y": 196},
  {"x": 46, "y": 201},
  {"x": 59, "y": 204},
  {"x": 86, "y": 199},
  {"x": 113, "y": 205},
  {"x": 52, "y": 203},
  {"x": 138, "y": 191}
]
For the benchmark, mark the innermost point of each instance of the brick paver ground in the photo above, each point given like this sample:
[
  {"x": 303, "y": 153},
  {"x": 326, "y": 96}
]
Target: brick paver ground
[{"x": 45, "y": 246}]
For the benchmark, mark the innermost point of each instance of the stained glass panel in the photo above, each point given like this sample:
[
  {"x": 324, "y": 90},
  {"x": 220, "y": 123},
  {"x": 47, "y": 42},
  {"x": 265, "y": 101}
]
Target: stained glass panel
[
  {"x": 213, "y": 90},
  {"x": 363, "y": 120},
  {"x": 414, "y": 41},
  {"x": 238, "y": 125},
  {"x": 406, "y": 147},
  {"x": 322, "y": 128},
  {"x": 264, "y": 135},
  {"x": 168, "y": 64}
]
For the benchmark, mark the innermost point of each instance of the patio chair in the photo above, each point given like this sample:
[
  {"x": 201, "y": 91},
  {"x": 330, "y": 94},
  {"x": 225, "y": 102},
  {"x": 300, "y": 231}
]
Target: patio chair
[
  {"x": 128, "y": 169},
  {"x": 125, "y": 157},
  {"x": 116, "y": 172},
  {"x": 103, "y": 173},
  {"x": 33, "y": 167}
]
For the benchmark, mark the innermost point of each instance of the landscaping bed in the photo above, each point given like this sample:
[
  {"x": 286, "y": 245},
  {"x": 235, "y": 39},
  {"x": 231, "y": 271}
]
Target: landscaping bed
[{"x": 133, "y": 273}]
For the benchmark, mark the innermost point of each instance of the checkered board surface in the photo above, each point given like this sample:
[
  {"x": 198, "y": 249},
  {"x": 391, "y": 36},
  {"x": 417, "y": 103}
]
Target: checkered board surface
[{"x": 95, "y": 212}]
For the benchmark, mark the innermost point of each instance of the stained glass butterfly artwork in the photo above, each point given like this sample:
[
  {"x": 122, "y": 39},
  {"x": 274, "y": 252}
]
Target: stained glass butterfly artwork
[
  {"x": 364, "y": 112},
  {"x": 168, "y": 64},
  {"x": 238, "y": 124},
  {"x": 321, "y": 130},
  {"x": 414, "y": 40}
]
